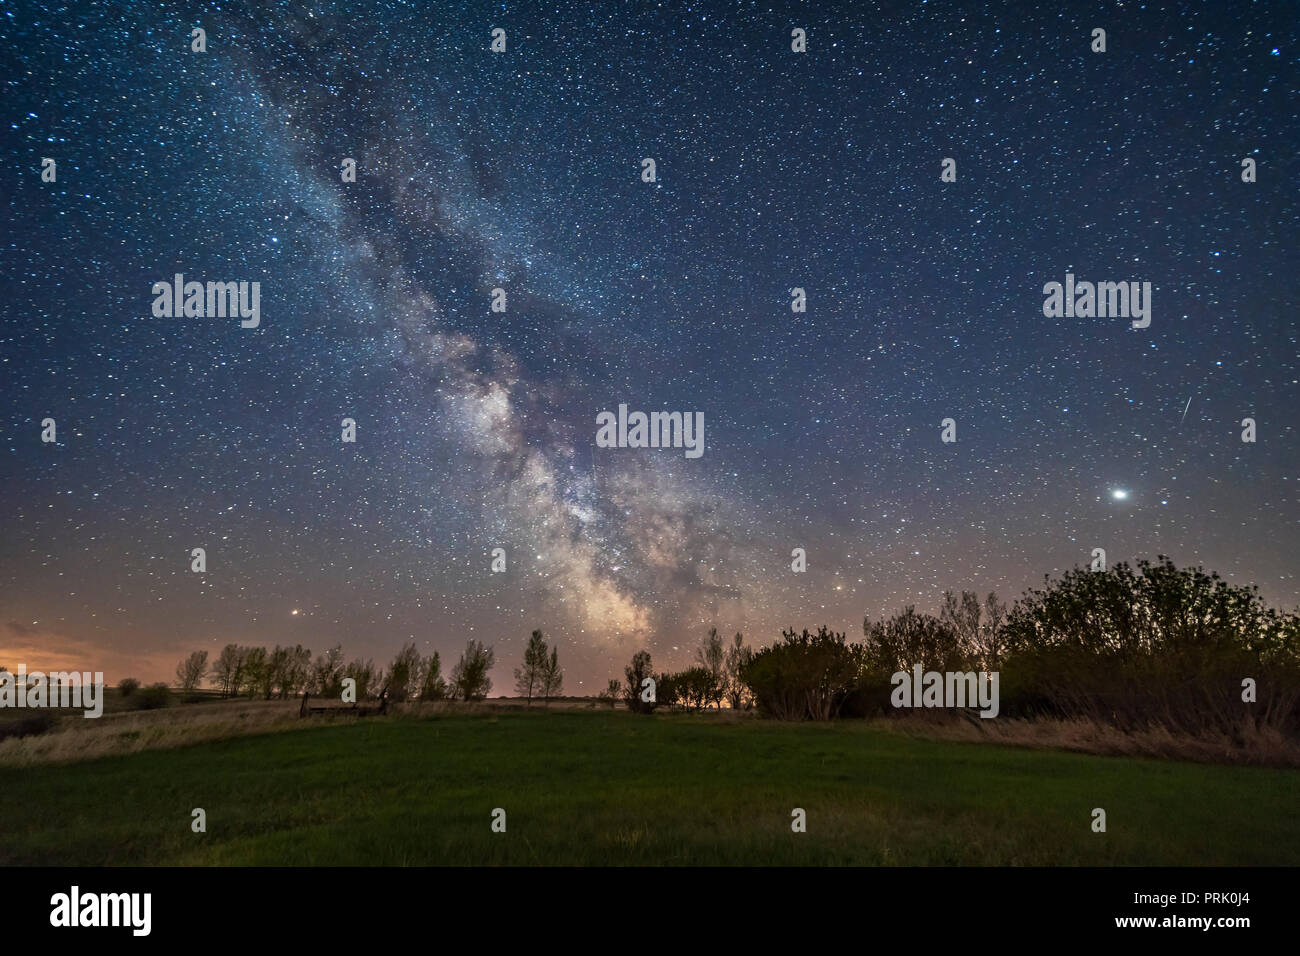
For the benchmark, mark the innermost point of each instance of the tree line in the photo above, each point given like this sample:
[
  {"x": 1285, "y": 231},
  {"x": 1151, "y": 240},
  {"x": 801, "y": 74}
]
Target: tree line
[
  {"x": 282, "y": 672},
  {"x": 1128, "y": 646}
]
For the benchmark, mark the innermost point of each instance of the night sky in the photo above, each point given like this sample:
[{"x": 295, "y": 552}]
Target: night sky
[{"x": 522, "y": 170}]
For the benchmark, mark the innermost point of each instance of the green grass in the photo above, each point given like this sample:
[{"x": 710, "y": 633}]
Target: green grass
[{"x": 599, "y": 787}]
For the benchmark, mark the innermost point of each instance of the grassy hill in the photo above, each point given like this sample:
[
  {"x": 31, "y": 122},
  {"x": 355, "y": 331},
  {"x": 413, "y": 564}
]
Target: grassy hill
[{"x": 602, "y": 787}]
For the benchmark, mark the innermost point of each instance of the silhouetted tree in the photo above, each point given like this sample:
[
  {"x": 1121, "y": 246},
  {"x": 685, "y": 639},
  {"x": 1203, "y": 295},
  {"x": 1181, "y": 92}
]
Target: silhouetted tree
[
  {"x": 237, "y": 672},
  {"x": 469, "y": 678},
  {"x": 905, "y": 640},
  {"x": 636, "y": 673},
  {"x": 254, "y": 672},
  {"x": 277, "y": 665},
  {"x": 668, "y": 690},
  {"x": 190, "y": 672},
  {"x": 327, "y": 673},
  {"x": 530, "y": 677},
  {"x": 433, "y": 687},
  {"x": 404, "y": 677},
  {"x": 735, "y": 688},
  {"x": 712, "y": 657},
  {"x": 225, "y": 669},
  {"x": 695, "y": 686},
  {"x": 552, "y": 676},
  {"x": 989, "y": 649},
  {"x": 363, "y": 672},
  {"x": 297, "y": 672}
]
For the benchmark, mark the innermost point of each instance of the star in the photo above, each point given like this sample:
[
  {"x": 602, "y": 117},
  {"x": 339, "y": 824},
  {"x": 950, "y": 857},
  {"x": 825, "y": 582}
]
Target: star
[{"x": 475, "y": 429}]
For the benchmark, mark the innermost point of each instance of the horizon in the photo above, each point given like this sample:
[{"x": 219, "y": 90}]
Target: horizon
[{"x": 502, "y": 671}]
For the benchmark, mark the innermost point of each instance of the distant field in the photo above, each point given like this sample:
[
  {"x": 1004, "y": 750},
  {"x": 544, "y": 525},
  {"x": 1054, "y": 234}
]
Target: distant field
[{"x": 602, "y": 787}]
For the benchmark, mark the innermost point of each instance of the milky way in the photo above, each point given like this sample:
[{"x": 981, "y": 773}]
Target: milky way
[{"x": 522, "y": 171}]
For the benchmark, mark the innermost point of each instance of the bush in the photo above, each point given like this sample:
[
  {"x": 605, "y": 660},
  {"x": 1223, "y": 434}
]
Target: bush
[
  {"x": 807, "y": 677},
  {"x": 37, "y": 723},
  {"x": 153, "y": 697},
  {"x": 128, "y": 686},
  {"x": 636, "y": 673},
  {"x": 1159, "y": 646},
  {"x": 898, "y": 644},
  {"x": 612, "y": 692},
  {"x": 908, "y": 639},
  {"x": 1156, "y": 648},
  {"x": 694, "y": 686},
  {"x": 668, "y": 690}
]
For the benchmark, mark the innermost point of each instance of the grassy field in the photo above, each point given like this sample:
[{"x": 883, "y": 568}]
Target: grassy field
[{"x": 601, "y": 787}]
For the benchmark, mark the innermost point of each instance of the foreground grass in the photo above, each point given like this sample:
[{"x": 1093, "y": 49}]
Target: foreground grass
[{"x": 590, "y": 787}]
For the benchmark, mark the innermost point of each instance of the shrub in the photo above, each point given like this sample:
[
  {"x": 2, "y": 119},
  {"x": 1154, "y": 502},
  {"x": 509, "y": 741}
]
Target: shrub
[
  {"x": 806, "y": 677},
  {"x": 695, "y": 686},
  {"x": 612, "y": 692},
  {"x": 153, "y": 697},
  {"x": 636, "y": 673},
  {"x": 128, "y": 686},
  {"x": 38, "y": 722},
  {"x": 908, "y": 639},
  {"x": 668, "y": 690},
  {"x": 1159, "y": 646},
  {"x": 898, "y": 644}
]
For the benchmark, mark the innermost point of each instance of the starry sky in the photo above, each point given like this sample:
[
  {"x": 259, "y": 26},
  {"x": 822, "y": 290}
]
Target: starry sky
[{"x": 522, "y": 170}]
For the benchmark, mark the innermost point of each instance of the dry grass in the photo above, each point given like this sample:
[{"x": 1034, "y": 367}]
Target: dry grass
[
  {"x": 1249, "y": 745},
  {"x": 75, "y": 738}
]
